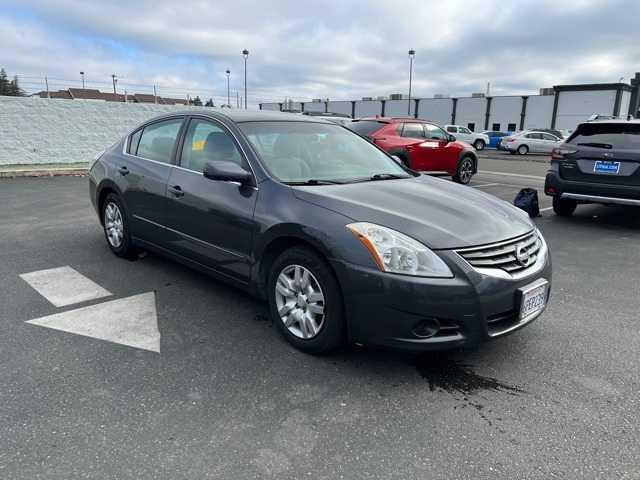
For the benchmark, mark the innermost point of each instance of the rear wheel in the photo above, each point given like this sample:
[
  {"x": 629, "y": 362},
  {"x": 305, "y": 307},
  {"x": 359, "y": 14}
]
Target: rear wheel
[
  {"x": 564, "y": 207},
  {"x": 479, "y": 144},
  {"x": 523, "y": 150},
  {"x": 305, "y": 301},
  {"x": 465, "y": 171},
  {"x": 116, "y": 227}
]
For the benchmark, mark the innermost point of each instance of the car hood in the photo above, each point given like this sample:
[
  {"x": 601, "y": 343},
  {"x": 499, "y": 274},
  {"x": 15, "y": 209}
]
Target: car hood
[{"x": 438, "y": 213}]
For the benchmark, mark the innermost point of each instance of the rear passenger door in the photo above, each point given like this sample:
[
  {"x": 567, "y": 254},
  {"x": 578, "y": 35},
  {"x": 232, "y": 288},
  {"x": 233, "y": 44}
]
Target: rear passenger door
[{"x": 143, "y": 173}]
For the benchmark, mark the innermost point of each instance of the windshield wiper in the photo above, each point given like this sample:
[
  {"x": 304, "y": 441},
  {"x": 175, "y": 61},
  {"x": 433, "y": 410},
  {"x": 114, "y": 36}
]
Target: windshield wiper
[
  {"x": 387, "y": 176},
  {"x": 313, "y": 181},
  {"x": 596, "y": 145}
]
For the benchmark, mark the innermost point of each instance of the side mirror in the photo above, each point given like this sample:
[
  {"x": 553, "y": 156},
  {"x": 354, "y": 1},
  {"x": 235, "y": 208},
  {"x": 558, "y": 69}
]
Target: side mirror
[
  {"x": 452, "y": 138},
  {"x": 226, "y": 171}
]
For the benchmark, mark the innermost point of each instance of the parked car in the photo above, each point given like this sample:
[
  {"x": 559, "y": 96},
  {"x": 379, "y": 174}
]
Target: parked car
[
  {"x": 344, "y": 243},
  {"x": 495, "y": 138},
  {"x": 478, "y": 140},
  {"x": 530, "y": 142},
  {"x": 420, "y": 145},
  {"x": 598, "y": 163}
]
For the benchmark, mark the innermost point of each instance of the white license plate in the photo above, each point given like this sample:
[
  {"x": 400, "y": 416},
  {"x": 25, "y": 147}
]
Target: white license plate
[{"x": 533, "y": 300}]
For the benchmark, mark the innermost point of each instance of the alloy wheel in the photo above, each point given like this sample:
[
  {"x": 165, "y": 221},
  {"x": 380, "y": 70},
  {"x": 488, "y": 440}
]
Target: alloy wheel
[
  {"x": 300, "y": 301},
  {"x": 466, "y": 171},
  {"x": 113, "y": 225}
]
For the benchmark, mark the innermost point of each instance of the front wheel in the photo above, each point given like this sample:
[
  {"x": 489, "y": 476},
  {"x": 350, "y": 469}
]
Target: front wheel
[
  {"x": 479, "y": 144},
  {"x": 305, "y": 301},
  {"x": 465, "y": 171},
  {"x": 564, "y": 207}
]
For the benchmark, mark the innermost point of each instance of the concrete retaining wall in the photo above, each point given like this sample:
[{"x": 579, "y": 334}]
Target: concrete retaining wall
[{"x": 40, "y": 130}]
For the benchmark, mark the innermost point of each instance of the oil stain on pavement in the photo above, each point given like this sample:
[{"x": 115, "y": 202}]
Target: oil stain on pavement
[{"x": 456, "y": 377}]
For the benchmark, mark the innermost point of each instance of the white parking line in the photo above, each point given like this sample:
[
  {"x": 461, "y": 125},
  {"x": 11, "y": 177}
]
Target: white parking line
[
  {"x": 519, "y": 175},
  {"x": 546, "y": 209},
  {"x": 64, "y": 286},
  {"x": 485, "y": 185},
  {"x": 130, "y": 321}
]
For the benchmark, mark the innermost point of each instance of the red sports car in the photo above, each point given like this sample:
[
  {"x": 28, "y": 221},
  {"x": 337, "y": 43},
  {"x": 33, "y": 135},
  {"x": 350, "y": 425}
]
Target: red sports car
[{"x": 421, "y": 145}]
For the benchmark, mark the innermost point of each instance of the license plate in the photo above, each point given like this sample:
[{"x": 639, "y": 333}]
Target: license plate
[
  {"x": 534, "y": 299},
  {"x": 606, "y": 166}
]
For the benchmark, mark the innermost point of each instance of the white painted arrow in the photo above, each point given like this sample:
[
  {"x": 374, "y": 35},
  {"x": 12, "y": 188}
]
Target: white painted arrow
[{"x": 130, "y": 321}]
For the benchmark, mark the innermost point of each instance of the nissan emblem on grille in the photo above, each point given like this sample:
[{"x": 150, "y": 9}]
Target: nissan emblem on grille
[{"x": 522, "y": 254}]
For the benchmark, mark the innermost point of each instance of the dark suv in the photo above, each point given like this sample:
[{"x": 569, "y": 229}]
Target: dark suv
[{"x": 598, "y": 163}]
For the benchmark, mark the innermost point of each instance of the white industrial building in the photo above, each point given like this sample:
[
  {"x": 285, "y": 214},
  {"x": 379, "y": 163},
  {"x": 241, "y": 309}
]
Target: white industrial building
[{"x": 562, "y": 107}]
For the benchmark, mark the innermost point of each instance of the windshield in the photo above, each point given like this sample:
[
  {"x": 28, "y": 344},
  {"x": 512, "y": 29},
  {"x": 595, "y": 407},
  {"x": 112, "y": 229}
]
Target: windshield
[{"x": 305, "y": 152}]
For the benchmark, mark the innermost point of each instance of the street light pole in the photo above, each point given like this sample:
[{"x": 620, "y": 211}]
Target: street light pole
[
  {"x": 82, "y": 75},
  {"x": 228, "y": 72},
  {"x": 412, "y": 53},
  {"x": 245, "y": 54}
]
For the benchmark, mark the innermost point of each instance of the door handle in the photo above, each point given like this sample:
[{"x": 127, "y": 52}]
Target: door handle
[
  {"x": 123, "y": 171},
  {"x": 177, "y": 191}
]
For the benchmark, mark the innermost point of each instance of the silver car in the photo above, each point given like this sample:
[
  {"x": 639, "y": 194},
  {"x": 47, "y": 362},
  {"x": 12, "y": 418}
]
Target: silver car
[{"x": 530, "y": 142}]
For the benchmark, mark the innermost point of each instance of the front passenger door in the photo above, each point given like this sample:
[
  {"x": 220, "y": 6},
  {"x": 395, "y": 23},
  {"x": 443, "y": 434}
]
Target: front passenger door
[{"x": 210, "y": 221}]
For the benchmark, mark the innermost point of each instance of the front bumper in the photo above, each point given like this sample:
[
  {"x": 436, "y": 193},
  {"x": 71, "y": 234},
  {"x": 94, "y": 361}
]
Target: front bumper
[
  {"x": 590, "y": 192},
  {"x": 389, "y": 310}
]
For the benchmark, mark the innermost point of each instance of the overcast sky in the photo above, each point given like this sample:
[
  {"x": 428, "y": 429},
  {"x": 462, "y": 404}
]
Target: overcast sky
[{"x": 331, "y": 49}]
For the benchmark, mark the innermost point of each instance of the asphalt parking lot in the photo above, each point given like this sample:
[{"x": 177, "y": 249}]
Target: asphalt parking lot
[{"x": 221, "y": 395}]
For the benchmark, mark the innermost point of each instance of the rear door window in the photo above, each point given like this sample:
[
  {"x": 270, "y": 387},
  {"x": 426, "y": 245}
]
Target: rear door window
[
  {"x": 158, "y": 140},
  {"x": 365, "y": 128},
  {"x": 534, "y": 136},
  {"x": 619, "y": 136},
  {"x": 548, "y": 136},
  {"x": 412, "y": 130}
]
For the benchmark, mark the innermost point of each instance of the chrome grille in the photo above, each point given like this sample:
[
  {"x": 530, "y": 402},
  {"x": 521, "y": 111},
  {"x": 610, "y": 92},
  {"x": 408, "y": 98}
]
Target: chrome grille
[{"x": 502, "y": 255}]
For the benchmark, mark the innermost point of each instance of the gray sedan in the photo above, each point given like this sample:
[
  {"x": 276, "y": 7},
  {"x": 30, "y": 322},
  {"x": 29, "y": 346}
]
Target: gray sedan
[{"x": 530, "y": 142}]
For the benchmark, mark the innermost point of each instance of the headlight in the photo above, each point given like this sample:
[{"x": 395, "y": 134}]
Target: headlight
[
  {"x": 396, "y": 253},
  {"x": 544, "y": 250}
]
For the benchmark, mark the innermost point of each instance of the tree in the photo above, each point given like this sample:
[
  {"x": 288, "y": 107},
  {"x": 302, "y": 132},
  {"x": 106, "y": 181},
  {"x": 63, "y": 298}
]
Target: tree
[
  {"x": 196, "y": 101},
  {"x": 4, "y": 83},
  {"x": 10, "y": 88},
  {"x": 14, "y": 88},
  {"x": 209, "y": 103}
]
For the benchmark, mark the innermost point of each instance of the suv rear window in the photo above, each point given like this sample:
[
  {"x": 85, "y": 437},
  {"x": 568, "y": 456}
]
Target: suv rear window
[
  {"x": 365, "y": 127},
  {"x": 619, "y": 136}
]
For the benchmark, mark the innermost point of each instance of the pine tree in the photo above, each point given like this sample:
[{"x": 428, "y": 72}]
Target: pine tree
[
  {"x": 14, "y": 88},
  {"x": 4, "y": 83},
  {"x": 209, "y": 103},
  {"x": 197, "y": 102}
]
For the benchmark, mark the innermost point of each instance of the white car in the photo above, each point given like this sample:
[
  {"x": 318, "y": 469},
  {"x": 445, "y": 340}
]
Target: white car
[
  {"x": 530, "y": 142},
  {"x": 478, "y": 140}
]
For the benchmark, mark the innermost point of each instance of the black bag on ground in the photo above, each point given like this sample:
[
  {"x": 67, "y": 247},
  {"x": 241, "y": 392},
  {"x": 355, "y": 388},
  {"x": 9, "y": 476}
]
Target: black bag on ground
[{"x": 527, "y": 200}]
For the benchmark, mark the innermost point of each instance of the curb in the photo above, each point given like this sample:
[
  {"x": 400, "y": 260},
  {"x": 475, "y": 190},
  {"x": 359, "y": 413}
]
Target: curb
[{"x": 45, "y": 172}]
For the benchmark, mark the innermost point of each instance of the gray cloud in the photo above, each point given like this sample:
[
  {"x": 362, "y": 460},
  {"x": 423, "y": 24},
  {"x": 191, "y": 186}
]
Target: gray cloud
[{"x": 332, "y": 49}]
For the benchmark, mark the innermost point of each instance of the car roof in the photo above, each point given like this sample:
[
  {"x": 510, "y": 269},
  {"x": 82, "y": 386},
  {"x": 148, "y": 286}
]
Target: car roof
[
  {"x": 394, "y": 119},
  {"x": 611, "y": 120},
  {"x": 240, "y": 116}
]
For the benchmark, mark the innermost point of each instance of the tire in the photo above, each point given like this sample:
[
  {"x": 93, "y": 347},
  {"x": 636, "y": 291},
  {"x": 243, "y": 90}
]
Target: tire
[
  {"x": 118, "y": 238},
  {"x": 523, "y": 150},
  {"x": 326, "y": 331},
  {"x": 564, "y": 207},
  {"x": 464, "y": 172},
  {"x": 479, "y": 145}
]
